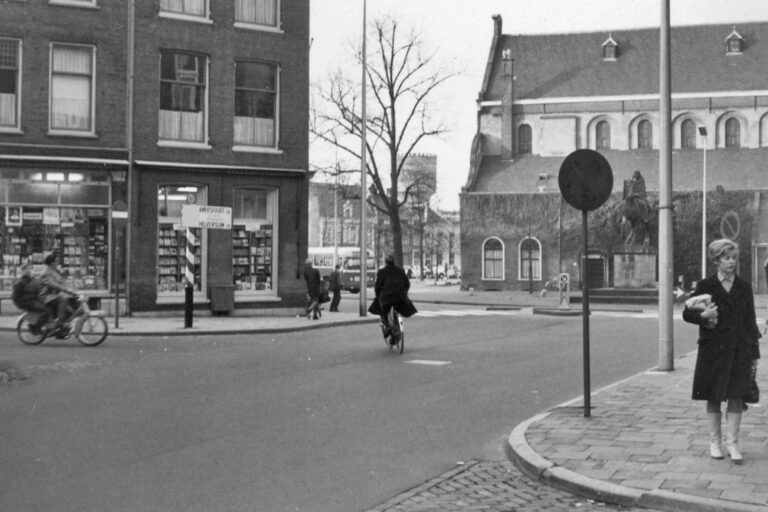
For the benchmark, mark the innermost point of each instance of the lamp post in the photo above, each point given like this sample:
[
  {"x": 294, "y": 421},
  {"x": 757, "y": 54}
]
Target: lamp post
[{"x": 703, "y": 133}]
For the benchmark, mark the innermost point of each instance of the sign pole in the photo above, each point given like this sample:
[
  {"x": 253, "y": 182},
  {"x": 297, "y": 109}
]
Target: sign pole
[
  {"x": 189, "y": 275},
  {"x": 585, "y": 319}
]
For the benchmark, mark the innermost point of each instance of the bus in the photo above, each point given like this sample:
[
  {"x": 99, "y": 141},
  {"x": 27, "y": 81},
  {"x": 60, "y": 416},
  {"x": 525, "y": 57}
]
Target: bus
[{"x": 349, "y": 258}]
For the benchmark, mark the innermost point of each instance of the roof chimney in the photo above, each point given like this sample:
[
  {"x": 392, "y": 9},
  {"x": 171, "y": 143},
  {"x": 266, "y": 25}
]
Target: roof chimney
[{"x": 507, "y": 71}]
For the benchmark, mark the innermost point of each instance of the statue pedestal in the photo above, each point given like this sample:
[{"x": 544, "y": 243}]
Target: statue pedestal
[{"x": 634, "y": 267}]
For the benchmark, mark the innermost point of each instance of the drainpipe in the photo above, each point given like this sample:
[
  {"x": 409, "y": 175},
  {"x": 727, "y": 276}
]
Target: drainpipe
[{"x": 131, "y": 27}]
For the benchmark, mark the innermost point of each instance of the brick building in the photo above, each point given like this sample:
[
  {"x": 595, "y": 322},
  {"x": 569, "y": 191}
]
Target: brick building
[
  {"x": 145, "y": 107},
  {"x": 544, "y": 96}
]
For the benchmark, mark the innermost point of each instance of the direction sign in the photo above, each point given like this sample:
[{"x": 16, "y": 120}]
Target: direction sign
[
  {"x": 210, "y": 217},
  {"x": 585, "y": 179}
]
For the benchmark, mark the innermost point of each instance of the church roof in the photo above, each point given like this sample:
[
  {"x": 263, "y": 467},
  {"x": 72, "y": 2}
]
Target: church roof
[
  {"x": 742, "y": 169},
  {"x": 572, "y": 65}
]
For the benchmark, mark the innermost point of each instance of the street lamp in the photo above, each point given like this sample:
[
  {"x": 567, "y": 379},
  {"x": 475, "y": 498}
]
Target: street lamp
[{"x": 703, "y": 133}]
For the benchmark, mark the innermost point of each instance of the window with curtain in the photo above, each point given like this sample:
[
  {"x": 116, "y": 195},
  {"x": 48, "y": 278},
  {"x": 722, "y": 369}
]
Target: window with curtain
[
  {"x": 182, "y": 96},
  {"x": 493, "y": 259},
  {"x": 524, "y": 136},
  {"x": 190, "y": 7},
  {"x": 644, "y": 135},
  {"x": 603, "y": 135},
  {"x": 9, "y": 83},
  {"x": 71, "y": 88},
  {"x": 688, "y": 134},
  {"x": 256, "y": 103},
  {"x": 258, "y": 12},
  {"x": 732, "y": 133},
  {"x": 530, "y": 259}
]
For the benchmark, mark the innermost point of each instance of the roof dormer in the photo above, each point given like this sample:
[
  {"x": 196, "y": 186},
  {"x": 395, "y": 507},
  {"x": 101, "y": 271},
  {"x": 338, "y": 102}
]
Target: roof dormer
[
  {"x": 734, "y": 43},
  {"x": 610, "y": 49}
]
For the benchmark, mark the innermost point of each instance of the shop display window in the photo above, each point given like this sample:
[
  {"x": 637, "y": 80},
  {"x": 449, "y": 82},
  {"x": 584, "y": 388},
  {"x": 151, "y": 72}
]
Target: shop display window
[
  {"x": 172, "y": 240},
  {"x": 253, "y": 240},
  {"x": 78, "y": 234}
]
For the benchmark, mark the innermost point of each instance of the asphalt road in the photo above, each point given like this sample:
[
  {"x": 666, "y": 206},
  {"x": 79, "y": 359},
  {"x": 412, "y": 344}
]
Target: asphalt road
[{"x": 320, "y": 421}]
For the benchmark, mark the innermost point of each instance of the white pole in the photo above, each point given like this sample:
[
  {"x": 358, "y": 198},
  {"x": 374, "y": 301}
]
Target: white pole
[
  {"x": 704, "y": 213},
  {"x": 666, "y": 261},
  {"x": 363, "y": 187}
]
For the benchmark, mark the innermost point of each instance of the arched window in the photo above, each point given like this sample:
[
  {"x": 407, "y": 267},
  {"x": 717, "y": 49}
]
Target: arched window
[
  {"x": 603, "y": 135},
  {"x": 524, "y": 138},
  {"x": 530, "y": 259},
  {"x": 732, "y": 133},
  {"x": 493, "y": 259},
  {"x": 688, "y": 134},
  {"x": 644, "y": 135}
]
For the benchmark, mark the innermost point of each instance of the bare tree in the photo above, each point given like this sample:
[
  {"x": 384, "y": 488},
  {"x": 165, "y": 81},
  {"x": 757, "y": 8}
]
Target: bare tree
[{"x": 401, "y": 79}]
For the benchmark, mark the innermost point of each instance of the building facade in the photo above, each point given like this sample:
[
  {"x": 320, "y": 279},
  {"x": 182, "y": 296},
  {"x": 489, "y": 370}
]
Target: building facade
[
  {"x": 114, "y": 115},
  {"x": 544, "y": 96}
]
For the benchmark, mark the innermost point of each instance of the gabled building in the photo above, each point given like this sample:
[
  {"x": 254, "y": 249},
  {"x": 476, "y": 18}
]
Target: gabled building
[
  {"x": 544, "y": 96},
  {"x": 113, "y": 115}
]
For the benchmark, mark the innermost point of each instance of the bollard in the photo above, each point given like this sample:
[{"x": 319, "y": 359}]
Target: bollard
[{"x": 188, "y": 306}]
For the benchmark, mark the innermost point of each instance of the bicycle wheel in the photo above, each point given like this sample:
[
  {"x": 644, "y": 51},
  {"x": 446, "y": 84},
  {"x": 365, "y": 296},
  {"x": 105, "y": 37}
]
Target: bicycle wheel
[
  {"x": 398, "y": 335},
  {"x": 91, "y": 330},
  {"x": 28, "y": 334}
]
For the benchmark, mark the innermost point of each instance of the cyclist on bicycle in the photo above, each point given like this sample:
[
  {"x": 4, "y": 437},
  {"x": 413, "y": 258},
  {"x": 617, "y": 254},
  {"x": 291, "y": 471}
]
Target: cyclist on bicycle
[{"x": 391, "y": 290}]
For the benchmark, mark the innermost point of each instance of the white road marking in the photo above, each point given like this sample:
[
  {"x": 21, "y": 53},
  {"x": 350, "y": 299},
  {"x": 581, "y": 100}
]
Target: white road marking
[{"x": 428, "y": 362}]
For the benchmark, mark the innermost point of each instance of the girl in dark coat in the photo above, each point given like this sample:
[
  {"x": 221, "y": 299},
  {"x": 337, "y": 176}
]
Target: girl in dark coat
[{"x": 728, "y": 345}]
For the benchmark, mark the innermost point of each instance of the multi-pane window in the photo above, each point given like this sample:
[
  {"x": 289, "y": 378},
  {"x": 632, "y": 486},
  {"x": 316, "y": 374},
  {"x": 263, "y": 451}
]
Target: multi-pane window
[
  {"x": 493, "y": 259},
  {"x": 644, "y": 134},
  {"x": 258, "y": 12},
  {"x": 72, "y": 88},
  {"x": 256, "y": 103},
  {"x": 732, "y": 133},
  {"x": 530, "y": 259},
  {"x": 524, "y": 137},
  {"x": 189, "y": 7},
  {"x": 9, "y": 83},
  {"x": 688, "y": 134},
  {"x": 603, "y": 135},
  {"x": 182, "y": 96}
]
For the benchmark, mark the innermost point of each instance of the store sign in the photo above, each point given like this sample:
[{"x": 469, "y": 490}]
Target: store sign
[{"x": 210, "y": 217}]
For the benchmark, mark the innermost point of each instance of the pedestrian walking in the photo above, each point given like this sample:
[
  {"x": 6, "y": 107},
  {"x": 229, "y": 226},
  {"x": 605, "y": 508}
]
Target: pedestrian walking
[
  {"x": 312, "y": 277},
  {"x": 334, "y": 286},
  {"x": 723, "y": 306}
]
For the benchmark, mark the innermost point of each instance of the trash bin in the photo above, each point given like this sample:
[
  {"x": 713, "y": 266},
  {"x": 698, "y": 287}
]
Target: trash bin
[{"x": 222, "y": 298}]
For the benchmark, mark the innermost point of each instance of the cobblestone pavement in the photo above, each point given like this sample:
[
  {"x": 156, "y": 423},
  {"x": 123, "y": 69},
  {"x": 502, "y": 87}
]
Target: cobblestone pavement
[{"x": 490, "y": 486}]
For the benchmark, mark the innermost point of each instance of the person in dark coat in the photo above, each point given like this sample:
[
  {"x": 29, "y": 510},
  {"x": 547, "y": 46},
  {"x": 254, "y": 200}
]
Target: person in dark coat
[
  {"x": 391, "y": 289},
  {"x": 312, "y": 277},
  {"x": 728, "y": 347},
  {"x": 334, "y": 285}
]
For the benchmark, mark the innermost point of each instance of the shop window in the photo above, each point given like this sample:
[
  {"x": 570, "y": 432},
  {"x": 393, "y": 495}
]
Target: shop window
[
  {"x": 182, "y": 96},
  {"x": 187, "y": 7},
  {"x": 256, "y": 86},
  {"x": 530, "y": 259},
  {"x": 172, "y": 242},
  {"x": 732, "y": 133},
  {"x": 493, "y": 259},
  {"x": 688, "y": 134},
  {"x": 72, "y": 88},
  {"x": 253, "y": 253},
  {"x": 524, "y": 138},
  {"x": 10, "y": 51},
  {"x": 644, "y": 135},
  {"x": 257, "y": 12},
  {"x": 603, "y": 135},
  {"x": 78, "y": 234}
]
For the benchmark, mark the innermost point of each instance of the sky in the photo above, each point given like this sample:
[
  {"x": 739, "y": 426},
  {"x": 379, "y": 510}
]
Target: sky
[{"x": 459, "y": 33}]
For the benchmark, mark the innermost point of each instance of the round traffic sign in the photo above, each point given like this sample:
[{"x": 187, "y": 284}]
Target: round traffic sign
[
  {"x": 585, "y": 179},
  {"x": 730, "y": 226}
]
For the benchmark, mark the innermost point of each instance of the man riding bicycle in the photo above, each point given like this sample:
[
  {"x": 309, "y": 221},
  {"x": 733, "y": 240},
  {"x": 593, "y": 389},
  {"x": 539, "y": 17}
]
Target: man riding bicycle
[{"x": 391, "y": 290}]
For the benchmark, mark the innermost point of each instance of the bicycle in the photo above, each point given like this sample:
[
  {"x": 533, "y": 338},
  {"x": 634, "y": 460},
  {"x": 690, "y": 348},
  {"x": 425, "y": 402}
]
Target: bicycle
[
  {"x": 397, "y": 333},
  {"x": 89, "y": 327}
]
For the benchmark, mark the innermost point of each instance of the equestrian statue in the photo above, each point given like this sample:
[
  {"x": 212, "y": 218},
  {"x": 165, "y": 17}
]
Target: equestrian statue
[{"x": 635, "y": 212}]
